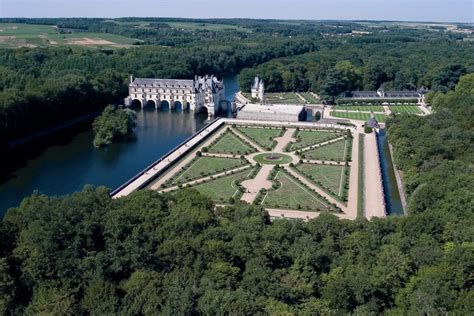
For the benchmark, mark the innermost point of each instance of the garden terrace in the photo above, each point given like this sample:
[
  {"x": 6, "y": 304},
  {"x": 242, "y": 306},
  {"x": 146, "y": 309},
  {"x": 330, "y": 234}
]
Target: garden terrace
[
  {"x": 290, "y": 193},
  {"x": 283, "y": 98},
  {"x": 334, "y": 179},
  {"x": 409, "y": 109},
  {"x": 305, "y": 138},
  {"x": 360, "y": 116},
  {"x": 310, "y": 98},
  {"x": 335, "y": 151},
  {"x": 362, "y": 108},
  {"x": 230, "y": 143},
  {"x": 263, "y": 136},
  {"x": 202, "y": 166}
]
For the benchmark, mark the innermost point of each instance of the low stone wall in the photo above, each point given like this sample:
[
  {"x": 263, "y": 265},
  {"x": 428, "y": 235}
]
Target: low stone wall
[{"x": 154, "y": 170}]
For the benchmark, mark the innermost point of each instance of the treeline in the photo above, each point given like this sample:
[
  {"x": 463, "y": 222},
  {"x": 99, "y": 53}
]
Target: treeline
[
  {"x": 436, "y": 153},
  {"x": 365, "y": 66},
  {"x": 149, "y": 254},
  {"x": 39, "y": 87}
]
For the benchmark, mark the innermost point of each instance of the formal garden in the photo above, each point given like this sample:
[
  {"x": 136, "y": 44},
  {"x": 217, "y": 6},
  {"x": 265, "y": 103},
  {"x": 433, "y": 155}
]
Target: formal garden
[
  {"x": 283, "y": 98},
  {"x": 409, "y": 109},
  {"x": 310, "y": 98},
  {"x": 361, "y": 116},
  {"x": 290, "y": 193},
  {"x": 263, "y": 136},
  {"x": 306, "y": 138},
  {"x": 361, "y": 108},
  {"x": 308, "y": 172}
]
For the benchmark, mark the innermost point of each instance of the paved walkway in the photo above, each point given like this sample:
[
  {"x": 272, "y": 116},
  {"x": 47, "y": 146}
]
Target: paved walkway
[
  {"x": 281, "y": 213},
  {"x": 157, "y": 183},
  {"x": 151, "y": 173},
  {"x": 352, "y": 199},
  {"x": 284, "y": 140},
  {"x": 374, "y": 197},
  {"x": 254, "y": 185}
]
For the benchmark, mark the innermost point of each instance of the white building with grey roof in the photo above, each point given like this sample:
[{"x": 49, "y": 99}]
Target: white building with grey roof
[{"x": 201, "y": 94}]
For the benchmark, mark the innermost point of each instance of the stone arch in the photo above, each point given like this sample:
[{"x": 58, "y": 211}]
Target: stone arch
[
  {"x": 165, "y": 105},
  {"x": 136, "y": 103},
  {"x": 150, "y": 103},
  {"x": 318, "y": 115},
  {"x": 204, "y": 110},
  {"x": 178, "y": 106},
  {"x": 187, "y": 106}
]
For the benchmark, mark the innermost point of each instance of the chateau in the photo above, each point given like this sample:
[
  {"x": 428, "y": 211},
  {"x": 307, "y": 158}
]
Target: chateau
[
  {"x": 203, "y": 94},
  {"x": 258, "y": 89}
]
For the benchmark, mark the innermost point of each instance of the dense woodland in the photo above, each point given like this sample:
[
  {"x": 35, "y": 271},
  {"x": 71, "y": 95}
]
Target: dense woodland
[
  {"x": 149, "y": 254},
  {"x": 358, "y": 65},
  {"x": 176, "y": 254},
  {"x": 113, "y": 124}
]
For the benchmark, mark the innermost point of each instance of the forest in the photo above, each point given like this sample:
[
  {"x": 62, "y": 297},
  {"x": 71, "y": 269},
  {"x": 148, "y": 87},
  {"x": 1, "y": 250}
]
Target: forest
[
  {"x": 43, "y": 86},
  {"x": 151, "y": 253},
  {"x": 351, "y": 66}
]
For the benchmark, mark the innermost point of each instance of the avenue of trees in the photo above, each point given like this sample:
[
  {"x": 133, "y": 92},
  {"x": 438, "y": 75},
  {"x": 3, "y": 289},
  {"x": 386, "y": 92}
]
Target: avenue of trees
[
  {"x": 148, "y": 253},
  {"x": 113, "y": 124},
  {"x": 331, "y": 71}
]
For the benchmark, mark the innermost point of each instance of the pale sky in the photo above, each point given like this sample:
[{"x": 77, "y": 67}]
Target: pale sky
[{"x": 405, "y": 10}]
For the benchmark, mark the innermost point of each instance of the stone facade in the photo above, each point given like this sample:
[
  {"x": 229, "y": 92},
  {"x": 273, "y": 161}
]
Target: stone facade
[
  {"x": 202, "y": 93},
  {"x": 258, "y": 89}
]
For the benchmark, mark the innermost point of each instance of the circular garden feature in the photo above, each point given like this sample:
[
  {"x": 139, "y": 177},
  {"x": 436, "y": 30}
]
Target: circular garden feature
[{"x": 273, "y": 159}]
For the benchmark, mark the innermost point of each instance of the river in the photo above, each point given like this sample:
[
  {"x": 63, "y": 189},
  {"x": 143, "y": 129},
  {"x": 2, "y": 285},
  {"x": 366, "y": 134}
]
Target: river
[
  {"x": 392, "y": 196},
  {"x": 64, "y": 162}
]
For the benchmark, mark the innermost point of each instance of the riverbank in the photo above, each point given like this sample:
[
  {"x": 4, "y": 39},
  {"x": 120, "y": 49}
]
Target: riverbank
[
  {"x": 51, "y": 130},
  {"x": 400, "y": 185}
]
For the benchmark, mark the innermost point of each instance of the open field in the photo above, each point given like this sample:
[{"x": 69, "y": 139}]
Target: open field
[
  {"x": 363, "y": 108},
  {"x": 358, "y": 116},
  {"x": 223, "y": 188},
  {"x": 293, "y": 195},
  {"x": 310, "y": 98},
  {"x": 203, "y": 166},
  {"x": 283, "y": 98},
  {"x": 333, "y": 152},
  {"x": 14, "y": 35},
  {"x": 328, "y": 177},
  {"x": 228, "y": 143},
  {"x": 410, "y": 109},
  {"x": 309, "y": 138},
  {"x": 262, "y": 136}
]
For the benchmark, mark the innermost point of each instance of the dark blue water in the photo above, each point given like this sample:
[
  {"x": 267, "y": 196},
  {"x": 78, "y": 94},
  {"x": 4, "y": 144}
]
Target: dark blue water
[
  {"x": 392, "y": 196},
  {"x": 63, "y": 163}
]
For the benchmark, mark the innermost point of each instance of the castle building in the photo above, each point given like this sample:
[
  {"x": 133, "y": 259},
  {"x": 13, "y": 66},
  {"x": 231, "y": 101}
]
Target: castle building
[
  {"x": 382, "y": 94},
  {"x": 199, "y": 95},
  {"x": 258, "y": 89}
]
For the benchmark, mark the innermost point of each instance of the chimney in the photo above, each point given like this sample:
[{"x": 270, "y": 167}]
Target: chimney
[{"x": 131, "y": 78}]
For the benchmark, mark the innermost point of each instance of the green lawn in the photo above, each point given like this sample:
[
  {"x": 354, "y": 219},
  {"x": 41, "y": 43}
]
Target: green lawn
[
  {"x": 283, "y": 98},
  {"x": 203, "y": 166},
  {"x": 262, "y": 136},
  {"x": 358, "y": 116},
  {"x": 228, "y": 143},
  {"x": 221, "y": 189},
  {"x": 410, "y": 109},
  {"x": 335, "y": 152},
  {"x": 309, "y": 138},
  {"x": 293, "y": 195},
  {"x": 310, "y": 98},
  {"x": 328, "y": 177},
  {"x": 363, "y": 108},
  {"x": 34, "y": 35}
]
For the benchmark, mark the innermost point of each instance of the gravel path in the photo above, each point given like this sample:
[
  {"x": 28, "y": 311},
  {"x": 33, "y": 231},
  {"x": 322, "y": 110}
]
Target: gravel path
[
  {"x": 374, "y": 198},
  {"x": 253, "y": 186}
]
